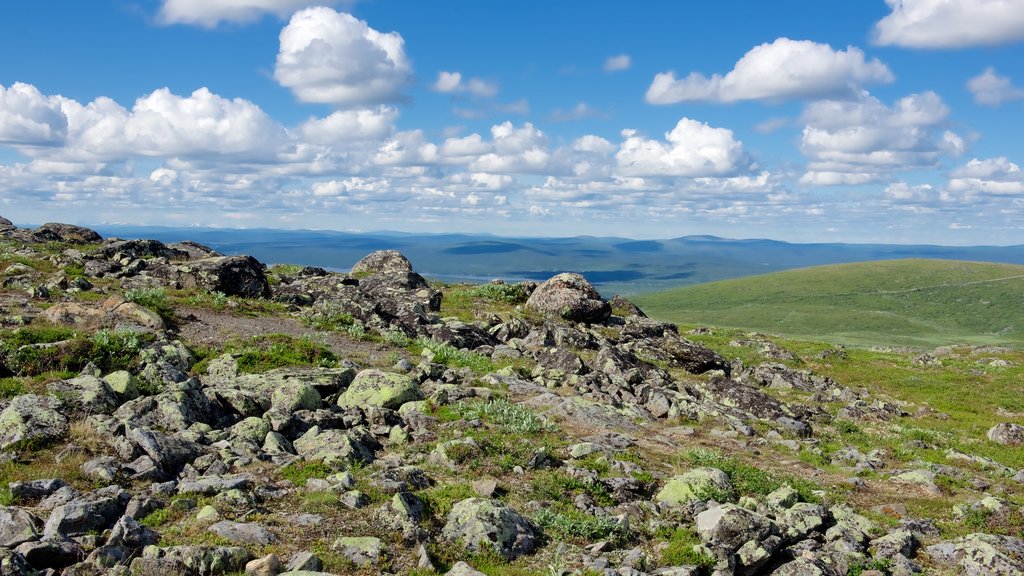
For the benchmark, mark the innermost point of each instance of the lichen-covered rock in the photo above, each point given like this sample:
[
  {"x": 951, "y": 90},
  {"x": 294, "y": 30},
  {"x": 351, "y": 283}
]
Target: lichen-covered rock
[
  {"x": 381, "y": 389},
  {"x": 18, "y": 525},
  {"x": 361, "y": 550},
  {"x": 198, "y": 560},
  {"x": 334, "y": 447},
  {"x": 251, "y": 429},
  {"x": 32, "y": 418},
  {"x": 243, "y": 532},
  {"x": 696, "y": 484},
  {"x": 173, "y": 410},
  {"x": 1007, "y": 433},
  {"x": 55, "y": 232},
  {"x": 460, "y": 568},
  {"x": 292, "y": 395},
  {"x": 86, "y": 394},
  {"x": 570, "y": 296},
  {"x": 112, "y": 312},
  {"x": 727, "y": 527},
  {"x": 231, "y": 275},
  {"x": 381, "y": 261},
  {"x": 93, "y": 511},
  {"x": 805, "y": 567},
  {"x": 484, "y": 525},
  {"x": 981, "y": 555}
]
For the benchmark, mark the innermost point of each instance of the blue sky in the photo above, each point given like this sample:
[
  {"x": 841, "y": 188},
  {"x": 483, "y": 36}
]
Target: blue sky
[{"x": 873, "y": 121}]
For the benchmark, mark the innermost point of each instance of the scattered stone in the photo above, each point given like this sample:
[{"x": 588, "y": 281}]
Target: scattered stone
[
  {"x": 361, "y": 550},
  {"x": 571, "y": 297},
  {"x": 382, "y": 389},
  {"x": 1007, "y": 433},
  {"x": 484, "y": 525},
  {"x": 697, "y": 484}
]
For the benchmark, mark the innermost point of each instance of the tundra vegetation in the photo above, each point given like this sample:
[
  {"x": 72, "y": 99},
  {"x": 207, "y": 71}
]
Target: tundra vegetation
[{"x": 169, "y": 410}]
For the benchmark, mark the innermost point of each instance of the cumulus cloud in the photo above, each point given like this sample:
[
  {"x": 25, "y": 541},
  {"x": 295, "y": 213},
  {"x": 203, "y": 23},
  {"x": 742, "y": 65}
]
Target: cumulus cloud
[
  {"x": 782, "y": 69},
  {"x": 901, "y": 192},
  {"x": 950, "y": 23},
  {"x": 164, "y": 124},
  {"x": 690, "y": 149},
  {"x": 210, "y": 13},
  {"x": 345, "y": 126},
  {"x": 334, "y": 58},
  {"x": 991, "y": 89},
  {"x": 991, "y": 176},
  {"x": 29, "y": 118},
  {"x": 857, "y": 142},
  {"x": 617, "y": 63},
  {"x": 452, "y": 83}
]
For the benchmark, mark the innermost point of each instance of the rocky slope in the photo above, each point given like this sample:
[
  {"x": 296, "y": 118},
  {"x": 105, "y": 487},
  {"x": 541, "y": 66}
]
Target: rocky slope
[{"x": 170, "y": 410}]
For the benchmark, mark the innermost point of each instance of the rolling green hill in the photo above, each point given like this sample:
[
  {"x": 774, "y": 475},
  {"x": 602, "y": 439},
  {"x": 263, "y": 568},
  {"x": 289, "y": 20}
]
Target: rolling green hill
[{"x": 895, "y": 302}]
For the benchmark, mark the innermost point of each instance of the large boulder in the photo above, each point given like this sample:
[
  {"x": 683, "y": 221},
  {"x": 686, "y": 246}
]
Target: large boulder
[
  {"x": 53, "y": 232},
  {"x": 231, "y": 275},
  {"x": 197, "y": 560},
  {"x": 981, "y": 554},
  {"x": 484, "y": 525},
  {"x": 5, "y": 224},
  {"x": 1007, "y": 433},
  {"x": 381, "y": 261},
  {"x": 111, "y": 312},
  {"x": 728, "y": 527},
  {"x": 17, "y": 526},
  {"x": 570, "y": 296},
  {"x": 85, "y": 393},
  {"x": 381, "y": 389},
  {"x": 32, "y": 418},
  {"x": 92, "y": 512},
  {"x": 696, "y": 484}
]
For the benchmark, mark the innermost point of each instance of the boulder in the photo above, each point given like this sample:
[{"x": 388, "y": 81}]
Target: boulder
[
  {"x": 232, "y": 275},
  {"x": 981, "y": 554},
  {"x": 1007, "y": 433},
  {"x": 17, "y": 526},
  {"x": 728, "y": 527},
  {"x": 197, "y": 560},
  {"x": 380, "y": 389},
  {"x": 86, "y": 394},
  {"x": 91, "y": 512},
  {"x": 32, "y": 418},
  {"x": 570, "y": 296},
  {"x": 110, "y": 313},
  {"x": 697, "y": 484},
  {"x": 484, "y": 525},
  {"x": 5, "y": 224},
  {"x": 249, "y": 533},
  {"x": 53, "y": 232},
  {"x": 361, "y": 550},
  {"x": 381, "y": 261}
]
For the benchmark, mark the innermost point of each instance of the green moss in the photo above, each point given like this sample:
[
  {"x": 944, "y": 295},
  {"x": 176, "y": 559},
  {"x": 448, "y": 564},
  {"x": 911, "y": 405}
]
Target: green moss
[{"x": 680, "y": 549}]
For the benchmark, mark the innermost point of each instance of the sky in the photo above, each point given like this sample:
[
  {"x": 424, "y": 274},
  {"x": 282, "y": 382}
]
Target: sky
[{"x": 881, "y": 121}]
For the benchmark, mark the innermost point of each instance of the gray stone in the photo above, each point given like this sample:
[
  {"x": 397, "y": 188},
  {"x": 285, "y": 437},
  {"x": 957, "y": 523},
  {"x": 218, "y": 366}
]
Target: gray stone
[
  {"x": 569, "y": 296},
  {"x": 31, "y": 418},
  {"x": 361, "y": 550},
  {"x": 728, "y": 527},
  {"x": 696, "y": 484},
  {"x": 981, "y": 555},
  {"x": 198, "y": 560},
  {"x": 1007, "y": 433},
  {"x": 18, "y": 525},
  {"x": 488, "y": 525},
  {"x": 93, "y": 511},
  {"x": 243, "y": 532},
  {"x": 87, "y": 394},
  {"x": 381, "y": 389}
]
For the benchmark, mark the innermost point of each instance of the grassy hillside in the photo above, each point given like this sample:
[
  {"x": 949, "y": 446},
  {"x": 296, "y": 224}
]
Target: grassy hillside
[{"x": 903, "y": 302}]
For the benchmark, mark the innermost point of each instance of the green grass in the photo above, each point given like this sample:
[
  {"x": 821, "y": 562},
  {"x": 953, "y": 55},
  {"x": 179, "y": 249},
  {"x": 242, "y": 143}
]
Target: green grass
[
  {"x": 680, "y": 549},
  {"x": 750, "y": 480},
  {"x": 897, "y": 302},
  {"x": 108, "y": 350},
  {"x": 262, "y": 353}
]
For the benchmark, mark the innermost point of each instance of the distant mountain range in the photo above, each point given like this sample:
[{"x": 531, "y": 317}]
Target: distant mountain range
[{"x": 614, "y": 265}]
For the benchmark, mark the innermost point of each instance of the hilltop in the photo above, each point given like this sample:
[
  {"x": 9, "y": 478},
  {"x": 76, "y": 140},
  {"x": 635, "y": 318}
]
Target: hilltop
[
  {"x": 922, "y": 303},
  {"x": 167, "y": 409}
]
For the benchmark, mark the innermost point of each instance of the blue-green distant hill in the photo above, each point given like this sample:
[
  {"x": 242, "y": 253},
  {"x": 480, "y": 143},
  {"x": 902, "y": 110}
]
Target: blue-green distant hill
[
  {"x": 904, "y": 302},
  {"x": 614, "y": 265}
]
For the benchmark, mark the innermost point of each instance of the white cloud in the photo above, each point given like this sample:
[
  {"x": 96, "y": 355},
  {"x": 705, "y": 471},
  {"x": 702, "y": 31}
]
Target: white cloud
[
  {"x": 991, "y": 89},
  {"x": 992, "y": 176},
  {"x": 516, "y": 150},
  {"x": 691, "y": 149},
  {"x": 334, "y": 58},
  {"x": 617, "y": 63},
  {"x": 210, "y": 13},
  {"x": 29, "y": 118},
  {"x": 857, "y": 142},
  {"x": 164, "y": 124},
  {"x": 904, "y": 192},
  {"x": 950, "y": 23},
  {"x": 345, "y": 126},
  {"x": 451, "y": 83},
  {"x": 782, "y": 69}
]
